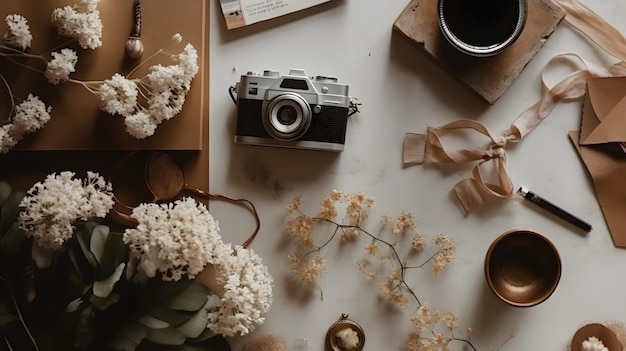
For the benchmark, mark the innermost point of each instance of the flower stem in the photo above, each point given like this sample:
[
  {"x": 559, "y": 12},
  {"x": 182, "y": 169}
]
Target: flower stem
[{"x": 19, "y": 314}]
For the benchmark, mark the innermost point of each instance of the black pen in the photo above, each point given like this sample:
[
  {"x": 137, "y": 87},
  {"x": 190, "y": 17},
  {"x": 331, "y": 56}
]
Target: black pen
[{"x": 554, "y": 209}]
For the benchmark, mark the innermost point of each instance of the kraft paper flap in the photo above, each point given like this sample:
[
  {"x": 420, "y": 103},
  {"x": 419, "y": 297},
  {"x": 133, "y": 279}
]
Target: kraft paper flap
[
  {"x": 603, "y": 125},
  {"x": 77, "y": 123},
  {"x": 608, "y": 176},
  {"x": 605, "y": 120}
]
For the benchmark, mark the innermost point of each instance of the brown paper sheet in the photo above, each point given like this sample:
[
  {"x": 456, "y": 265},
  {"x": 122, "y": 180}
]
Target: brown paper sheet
[
  {"x": 77, "y": 123},
  {"x": 603, "y": 128},
  {"x": 79, "y": 137}
]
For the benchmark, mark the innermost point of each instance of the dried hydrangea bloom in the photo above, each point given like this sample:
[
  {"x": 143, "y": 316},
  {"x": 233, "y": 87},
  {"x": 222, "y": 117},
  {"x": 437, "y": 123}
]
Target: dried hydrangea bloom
[
  {"x": 392, "y": 292},
  {"x": 403, "y": 223},
  {"x": 301, "y": 228},
  {"x": 19, "y": 32},
  {"x": 308, "y": 272},
  {"x": 28, "y": 116},
  {"x": 165, "y": 88},
  {"x": 175, "y": 239},
  {"x": 449, "y": 319},
  {"x": 62, "y": 64},
  {"x": 423, "y": 318},
  {"x": 7, "y": 142},
  {"x": 118, "y": 95},
  {"x": 445, "y": 253},
  {"x": 357, "y": 206},
  {"x": 248, "y": 292},
  {"x": 140, "y": 125},
  {"x": 81, "y": 22},
  {"x": 51, "y": 207},
  {"x": 418, "y": 243},
  {"x": 371, "y": 248}
]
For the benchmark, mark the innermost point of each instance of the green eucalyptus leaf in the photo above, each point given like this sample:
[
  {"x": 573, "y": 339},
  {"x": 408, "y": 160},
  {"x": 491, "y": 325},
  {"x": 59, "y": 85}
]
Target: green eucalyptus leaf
[
  {"x": 190, "y": 299},
  {"x": 99, "y": 237},
  {"x": 84, "y": 238},
  {"x": 197, "y": 324},
  {"x": 12, "y": 240},
  {"x": 115, "y": 252},
  {"x": 5, "y": 191},
  {"x": 165, "y": 336},
  {"x": 82, "y": 268},
  {"x": 10, "y": 210},
  {"x": 158, "y": 291},
  {"x": 152, "y": 323},
  {"x": 170, "y": 316},
  {"x": 103, "y": 288}
]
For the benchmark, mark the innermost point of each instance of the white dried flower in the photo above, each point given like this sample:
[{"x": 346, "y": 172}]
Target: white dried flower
[
  {"x": 118, "y": 95},
  {"x": 248, "y": 292},
  {"x": 7, "y": 142},
  {"x": 176, "y": 239},
  {"x": 51, "y": 207},
  {"x": 347, "y": 339},
  {"x": 81, "y": 22},
  {"x": 29, "y": 116},
  {"x": 166, "y": 89},
  {"x": 19, "y": 32},
  {"x": 188, "y": 61},
  {"x": 593, "y": 344},
  {"x": 62, "y": 64},
  {"x": 140, "y": 125}
]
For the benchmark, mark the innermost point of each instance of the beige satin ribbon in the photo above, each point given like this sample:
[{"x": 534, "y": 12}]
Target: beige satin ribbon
[{"x": 473, "y": 191}]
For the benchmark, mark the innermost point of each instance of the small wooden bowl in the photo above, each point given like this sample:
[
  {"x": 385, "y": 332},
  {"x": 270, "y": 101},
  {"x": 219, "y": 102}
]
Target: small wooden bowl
[
  {"x": 604, "y": 334},
  {"x": 522, "y": 267}
]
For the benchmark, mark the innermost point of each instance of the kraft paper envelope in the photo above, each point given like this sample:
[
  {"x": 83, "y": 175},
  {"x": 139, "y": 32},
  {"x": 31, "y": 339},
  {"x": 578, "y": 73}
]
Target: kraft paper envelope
[{"x": 603, "y": 128}]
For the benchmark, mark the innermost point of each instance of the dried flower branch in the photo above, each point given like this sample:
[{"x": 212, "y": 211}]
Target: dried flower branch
[{"x": 432, "y": 330}]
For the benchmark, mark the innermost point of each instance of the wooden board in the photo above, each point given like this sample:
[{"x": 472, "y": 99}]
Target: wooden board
[{"x": 488, "y": 77}]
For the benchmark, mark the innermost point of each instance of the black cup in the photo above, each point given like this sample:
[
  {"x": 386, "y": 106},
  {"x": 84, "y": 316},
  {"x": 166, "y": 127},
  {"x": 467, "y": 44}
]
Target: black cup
[{"x": 482, "y": 27}]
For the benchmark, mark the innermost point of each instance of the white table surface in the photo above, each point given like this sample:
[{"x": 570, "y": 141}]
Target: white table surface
[{"x": 403, "y": 91}]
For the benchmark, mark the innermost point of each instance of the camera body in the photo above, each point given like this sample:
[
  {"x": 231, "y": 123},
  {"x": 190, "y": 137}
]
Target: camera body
[{"x": 292, "y": 111}]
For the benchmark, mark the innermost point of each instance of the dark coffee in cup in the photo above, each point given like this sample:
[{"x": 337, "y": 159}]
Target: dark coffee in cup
[{"x": 482, "y": 27}]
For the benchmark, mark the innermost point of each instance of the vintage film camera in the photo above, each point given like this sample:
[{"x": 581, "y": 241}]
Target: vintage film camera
[{"x": 292, "y": 111}]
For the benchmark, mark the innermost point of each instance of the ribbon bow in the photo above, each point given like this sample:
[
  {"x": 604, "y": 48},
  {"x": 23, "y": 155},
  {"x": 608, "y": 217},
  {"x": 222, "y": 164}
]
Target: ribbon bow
[{"x": 474, "y": 191}]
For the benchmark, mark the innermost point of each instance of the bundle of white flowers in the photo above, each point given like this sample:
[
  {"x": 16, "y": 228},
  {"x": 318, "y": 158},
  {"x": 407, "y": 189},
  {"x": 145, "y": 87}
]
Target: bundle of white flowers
[
  {"x": 126, "y": 285},
  {"x": 163, "y": 88},
  {"x": 183, "y": 238}
]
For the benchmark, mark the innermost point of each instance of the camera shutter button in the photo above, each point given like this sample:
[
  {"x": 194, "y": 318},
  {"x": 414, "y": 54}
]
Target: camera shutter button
[{"x": 317, "y": 109}]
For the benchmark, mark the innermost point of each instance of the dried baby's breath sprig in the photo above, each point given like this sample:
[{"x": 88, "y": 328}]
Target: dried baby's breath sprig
[{"x": 385, "y": 263}]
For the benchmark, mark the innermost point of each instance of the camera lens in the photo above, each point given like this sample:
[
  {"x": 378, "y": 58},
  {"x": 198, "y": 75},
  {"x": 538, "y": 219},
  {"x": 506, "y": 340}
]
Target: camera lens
[{"x": 287, "y": 117}]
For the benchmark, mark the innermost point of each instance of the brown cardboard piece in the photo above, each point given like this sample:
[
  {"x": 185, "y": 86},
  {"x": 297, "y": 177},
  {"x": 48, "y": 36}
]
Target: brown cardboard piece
[
  {"x": 603, "y": 128},
  {"x": 78, "y": 136},
  {"x": 488, "y": 77}
]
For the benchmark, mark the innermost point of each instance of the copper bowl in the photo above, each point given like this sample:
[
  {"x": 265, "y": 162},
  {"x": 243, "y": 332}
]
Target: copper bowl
[{"x": 522, "y": 267}]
